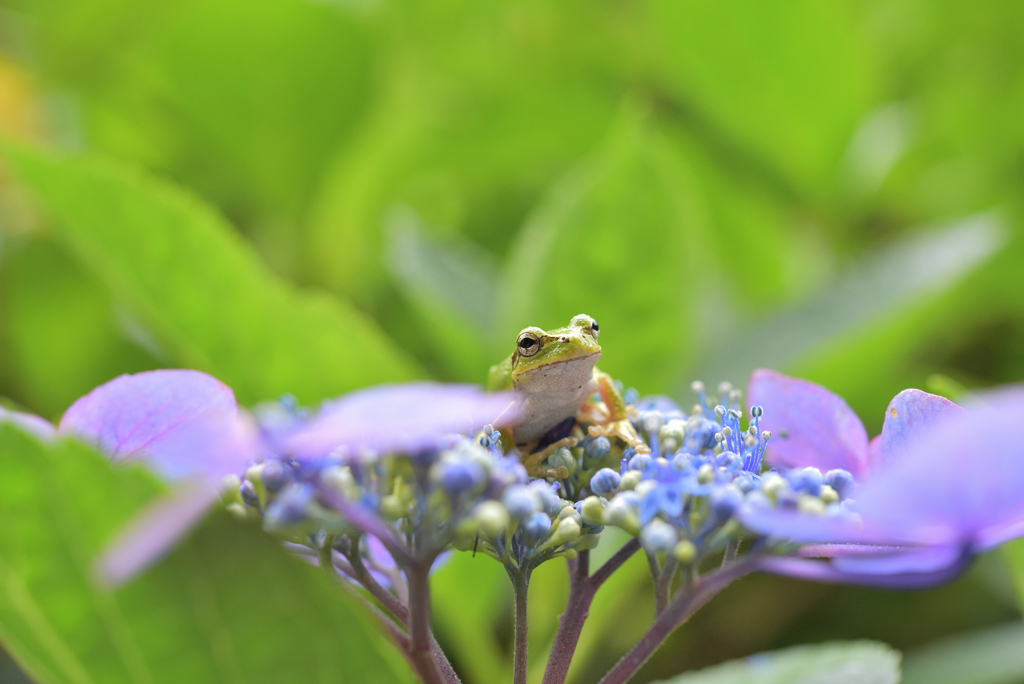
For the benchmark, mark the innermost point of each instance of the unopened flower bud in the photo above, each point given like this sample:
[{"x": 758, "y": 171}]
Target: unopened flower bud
[
  {"x": 462, "y": 476},
  {"x": 618, "y": 513},
  {"x": 605, "y": 481},
  {"x": 536, "y": 528},
  {"x": 392, "y": 507},
  {"x": 275, "y": 475},
  {"x": 772, "y": 484},
  {"x": 706, "y": 474},
  {"x": 592, "y": 510},
  {"x": 725, "y": 500},
  {"x": 248, "y": 492},
  {"x": 597, "y": 449},
  {"x": 562, "y": 458},
  {"x": 685, "y": 551},
  {"x": 810, "y": 505},
  {"x": 631, "y": 479},
  {"x": 492, "y": 517},
  {"x": 658, "y": 536},
  {"x": 828, "y": 495},
  {"x": 568, "y": 531},
  {"x": 841, "y": 481},
  {"x": 652, "y": 422},
  {"x": 339, "y": 478},
  {"x": 521, "y": 501}
]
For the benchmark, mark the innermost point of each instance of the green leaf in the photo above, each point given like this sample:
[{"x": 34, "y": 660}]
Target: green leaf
[
  {"x": 784, "y": 84},
  {"x": 1013, "y": 553},
  {"x": 986, "y": 656},
  {"x": 228, "y": 605},
  {"x": 850, "y": 662},
  {"x": 202, "y": 289},
  {"x": 616, "y": 239}
]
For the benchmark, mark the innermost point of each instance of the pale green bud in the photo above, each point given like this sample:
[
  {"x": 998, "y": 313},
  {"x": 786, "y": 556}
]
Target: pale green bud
[
  {"x": 685, "y": 551},
  {"x": 810, "y": 505},
  {"x": 593, "y": 511},
  {"x": 392, "y": 507},
  {"x": 828, "y": 495},
  {"x": 492, "y": 518},
  {"x": 630, "y": 480}
]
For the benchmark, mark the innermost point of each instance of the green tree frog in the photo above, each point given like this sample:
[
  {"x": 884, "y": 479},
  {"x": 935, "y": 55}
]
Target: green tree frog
[{"x": 554, "y": 373}]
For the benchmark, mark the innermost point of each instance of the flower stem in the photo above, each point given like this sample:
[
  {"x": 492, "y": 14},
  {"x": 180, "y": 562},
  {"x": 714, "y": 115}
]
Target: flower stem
[
  {"x": 421, "y": 639},
  {"x": 582, "y": 588},
  {"x": 674, "y": 615},
  {"x": 325, "y": 555},
  {"x": 521, "y": 586}
]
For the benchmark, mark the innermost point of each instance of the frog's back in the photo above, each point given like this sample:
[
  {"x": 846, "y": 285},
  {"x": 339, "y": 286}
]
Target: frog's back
[{"x": 500, "y": 376}]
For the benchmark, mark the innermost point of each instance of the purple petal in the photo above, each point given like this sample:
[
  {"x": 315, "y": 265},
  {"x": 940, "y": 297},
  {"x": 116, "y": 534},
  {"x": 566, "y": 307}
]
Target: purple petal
[
  {"x": 803, "y": 528},
  {"x": 810, "y": 425},
  {"x": 910, "y": 414},
  {"x": 32, "y": 424},
  {"x": 820, "y": 571},
  {"x": 399, "y": 418},
  {"x": 960, "y": 482},
  {"x": 182, "y": 422},
  {"x": 154, "y": 532},
  {"x": 889, "y": 562}
]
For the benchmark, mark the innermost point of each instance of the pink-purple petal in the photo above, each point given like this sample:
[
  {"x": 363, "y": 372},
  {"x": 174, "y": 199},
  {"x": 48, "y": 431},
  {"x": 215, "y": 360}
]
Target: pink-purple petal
[
  {"x": 909, "y": 415},
  {"x": 182, "y": 422},
  {"x": 155, "y": 531},
  {"x": 810, "y": 425},
  {"x": 399, "y": 418},
  {"x": 959, "y": 482},
  {"x": 40, "y": 428}
]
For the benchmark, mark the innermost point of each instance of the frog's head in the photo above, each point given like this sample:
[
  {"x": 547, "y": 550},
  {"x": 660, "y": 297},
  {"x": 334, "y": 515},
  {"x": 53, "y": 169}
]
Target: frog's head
[{"x": 562, "y": 350}]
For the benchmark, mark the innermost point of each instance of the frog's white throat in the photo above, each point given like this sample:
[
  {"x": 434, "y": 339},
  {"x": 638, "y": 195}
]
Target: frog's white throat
[{"x": 551, "y": 393}]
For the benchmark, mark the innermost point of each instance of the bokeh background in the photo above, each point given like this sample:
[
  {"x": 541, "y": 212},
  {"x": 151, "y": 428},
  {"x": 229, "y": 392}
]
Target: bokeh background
[{"x": 830, "y": 189}]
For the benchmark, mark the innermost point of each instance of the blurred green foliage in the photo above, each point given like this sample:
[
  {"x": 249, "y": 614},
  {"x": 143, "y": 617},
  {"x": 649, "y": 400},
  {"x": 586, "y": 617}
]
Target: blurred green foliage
[{"x": 313, "y": 195}]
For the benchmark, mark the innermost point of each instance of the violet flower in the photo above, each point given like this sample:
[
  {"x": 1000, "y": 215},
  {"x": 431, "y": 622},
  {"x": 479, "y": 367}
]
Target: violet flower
[
  {"x": 187, "y": 427},
  {"x": 940, "y": 485}
]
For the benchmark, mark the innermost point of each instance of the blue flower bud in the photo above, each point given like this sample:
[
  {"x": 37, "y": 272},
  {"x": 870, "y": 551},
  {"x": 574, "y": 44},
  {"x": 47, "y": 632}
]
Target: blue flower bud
[
  {"x": 521, "y": 501},
  {"x": 630, "y": 397},
  {"x": 290, "y": 506},
  {"x": 658, "y": 536},
  {"x": 639, "y": 462},
  {"x": 605, "y": 481},
  {"x": 728, "y": 459},
  {"x": 459, "y": 477},
  {"x": 275, "y": 475},
  {"x": 597, "y": 449},
  {"x": 841, "y": 481},
  {"x": 724, "y": 501},
  {"x": 536, "y": 528},
  {"x": 550, "y": 501},
  {"x": 807, "y": 480},
  {"x": 248, "y": 492}
]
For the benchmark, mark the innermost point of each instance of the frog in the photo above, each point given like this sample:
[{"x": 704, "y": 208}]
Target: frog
[{"x": 554, "y": 373}]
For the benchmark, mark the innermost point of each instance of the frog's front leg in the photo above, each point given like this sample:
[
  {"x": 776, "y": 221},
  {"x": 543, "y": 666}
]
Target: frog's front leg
[
  {"x": 534, "y": 462},
  {"x": 616, "y": 424}
]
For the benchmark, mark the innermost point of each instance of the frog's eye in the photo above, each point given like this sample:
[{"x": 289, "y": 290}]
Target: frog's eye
[
  {"x": 595, "y": 329},
  {"x": 528, "y": 344}
]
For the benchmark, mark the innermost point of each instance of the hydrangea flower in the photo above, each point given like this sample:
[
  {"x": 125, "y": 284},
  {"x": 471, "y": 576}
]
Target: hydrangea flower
[{"x": 941, "y": 485}]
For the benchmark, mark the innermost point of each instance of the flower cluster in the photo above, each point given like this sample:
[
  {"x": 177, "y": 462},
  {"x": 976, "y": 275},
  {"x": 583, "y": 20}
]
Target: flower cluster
[{"x": 377, "y": 485}]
